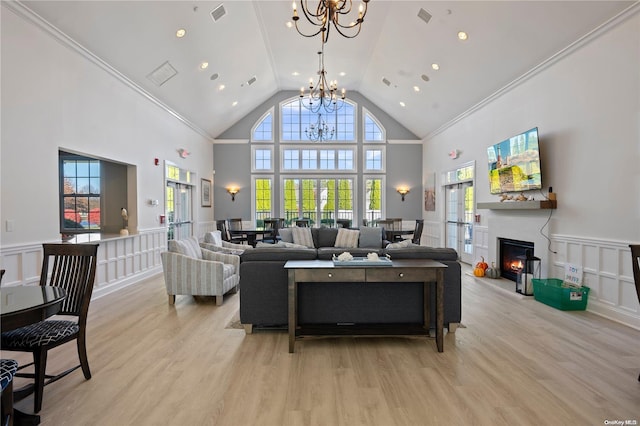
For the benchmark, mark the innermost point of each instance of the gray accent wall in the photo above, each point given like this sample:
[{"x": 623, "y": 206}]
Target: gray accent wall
[{"x": 232, "y": 162}]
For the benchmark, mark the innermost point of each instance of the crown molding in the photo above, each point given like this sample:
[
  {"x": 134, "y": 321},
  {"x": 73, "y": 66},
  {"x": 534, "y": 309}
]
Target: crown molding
[
  {"x": 29, "y": 15},
  {"x": 231, "y": 141},
  {"x": 404, "y": 141}
]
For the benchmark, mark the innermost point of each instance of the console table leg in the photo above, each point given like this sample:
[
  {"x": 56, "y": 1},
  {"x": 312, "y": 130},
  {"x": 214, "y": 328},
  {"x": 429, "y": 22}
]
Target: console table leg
[
  {"x": 440, "y": 311},
  {"x": 292, "y": 310}
]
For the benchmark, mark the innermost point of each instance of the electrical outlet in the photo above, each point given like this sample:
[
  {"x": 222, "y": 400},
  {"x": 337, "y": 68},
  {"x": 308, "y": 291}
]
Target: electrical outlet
[{"x": 10, "y": 225}]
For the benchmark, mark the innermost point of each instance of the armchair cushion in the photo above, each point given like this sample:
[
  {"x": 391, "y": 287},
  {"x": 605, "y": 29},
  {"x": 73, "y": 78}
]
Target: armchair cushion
[{"x": 188, "y": 246}]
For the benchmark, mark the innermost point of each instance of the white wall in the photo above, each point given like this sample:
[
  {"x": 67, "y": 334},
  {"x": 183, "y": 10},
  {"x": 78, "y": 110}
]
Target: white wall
[
  {"x": 55, "y": 97},
  {"x": 587, "y": 108}
]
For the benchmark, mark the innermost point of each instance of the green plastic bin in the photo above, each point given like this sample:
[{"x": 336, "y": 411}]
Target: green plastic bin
[{"x": 551, "y": 292}]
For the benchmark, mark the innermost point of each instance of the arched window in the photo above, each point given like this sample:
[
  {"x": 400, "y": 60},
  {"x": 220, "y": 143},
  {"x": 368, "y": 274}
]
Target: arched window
[
  {"x": 297, "y": 121},
  {"x": 373, "y": 130},
  {"x": 263, "y": 130}
]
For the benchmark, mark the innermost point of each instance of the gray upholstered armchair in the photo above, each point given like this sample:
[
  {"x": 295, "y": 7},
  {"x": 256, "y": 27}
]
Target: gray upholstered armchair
[
  {"x": 192, "y": 270},
  {"x": 213, "y": 241}
]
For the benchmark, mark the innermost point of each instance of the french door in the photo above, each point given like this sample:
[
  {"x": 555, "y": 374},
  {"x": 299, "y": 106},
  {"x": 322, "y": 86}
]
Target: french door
[
  {"x": 459, "y": 219},
  {"x": 179, "y": 210}
]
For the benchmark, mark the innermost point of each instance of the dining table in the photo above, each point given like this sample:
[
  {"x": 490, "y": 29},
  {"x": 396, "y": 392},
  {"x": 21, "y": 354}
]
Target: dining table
[
  {"x": 23, "y": 305},
  {"x": 250, "y": 234}
]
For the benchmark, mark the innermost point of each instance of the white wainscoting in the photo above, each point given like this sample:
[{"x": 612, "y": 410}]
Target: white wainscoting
[
  {"x": 606, "y": 271},
  {"x": 431, "y": 234},
  {"x": 122, "y": 261},
  {"x": 481, "y": 243}
]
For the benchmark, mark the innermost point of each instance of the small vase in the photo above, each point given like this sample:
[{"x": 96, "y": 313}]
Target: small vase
[{"x": 124, "y": 231}]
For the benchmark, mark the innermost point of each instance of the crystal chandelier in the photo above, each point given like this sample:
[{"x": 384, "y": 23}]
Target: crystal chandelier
[
  {"x": 330, "y": 12},
  {"x": 322, "y": 96},
  {"x": 320, "y": 131}
]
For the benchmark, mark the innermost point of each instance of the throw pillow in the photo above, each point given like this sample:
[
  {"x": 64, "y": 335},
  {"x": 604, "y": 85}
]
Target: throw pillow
[
  {"x": 370, "y": 237},
  {"x": 214, "y": 238},
  {"x": 401, "y": 244},
  {"x": 286, "y": 234},
  {"x": 347, "y": 238},
  {"x": 302, "y": 236}
]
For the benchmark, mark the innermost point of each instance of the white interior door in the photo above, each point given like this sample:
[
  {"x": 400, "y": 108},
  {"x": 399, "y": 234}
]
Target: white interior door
[{"x": 459, "y": 219}]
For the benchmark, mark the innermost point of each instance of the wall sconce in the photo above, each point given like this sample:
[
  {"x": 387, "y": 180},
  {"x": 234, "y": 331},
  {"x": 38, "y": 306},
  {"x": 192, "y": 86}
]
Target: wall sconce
[
  {"x": 403, "y": 190},
  {"x": 233, "y": 190}
]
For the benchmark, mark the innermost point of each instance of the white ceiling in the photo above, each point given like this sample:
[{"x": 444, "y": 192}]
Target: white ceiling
[{"x": 506, "y": 39}]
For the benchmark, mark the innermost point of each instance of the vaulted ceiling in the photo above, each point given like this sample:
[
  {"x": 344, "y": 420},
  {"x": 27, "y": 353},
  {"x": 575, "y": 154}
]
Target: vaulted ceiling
[{"x": 253, "y": 54}]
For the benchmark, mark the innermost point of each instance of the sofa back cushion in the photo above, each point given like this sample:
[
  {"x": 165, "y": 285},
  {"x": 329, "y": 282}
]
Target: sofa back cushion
[
  {"x": 324, "y": 237},
  {"x": 347, "y": 238},
  {"x": 286, "y": 234},
  {"x": 188, "y": 246},
  {"x": 302, "y": 236},
  {"x": 370, "y": 237},
  {"x": 214, "y": 238}
]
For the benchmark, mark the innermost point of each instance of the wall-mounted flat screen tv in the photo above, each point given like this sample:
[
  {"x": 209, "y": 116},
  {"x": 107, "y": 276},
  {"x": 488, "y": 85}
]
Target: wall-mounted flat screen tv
[{"x": 514, "y": 164}]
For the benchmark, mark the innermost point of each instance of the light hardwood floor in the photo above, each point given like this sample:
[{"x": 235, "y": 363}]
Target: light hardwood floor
[{"x": 515, "y": 362}]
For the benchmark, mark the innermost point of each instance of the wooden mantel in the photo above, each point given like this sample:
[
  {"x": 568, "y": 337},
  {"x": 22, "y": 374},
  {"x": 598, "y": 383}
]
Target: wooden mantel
[{"x": 519, "y": 205}]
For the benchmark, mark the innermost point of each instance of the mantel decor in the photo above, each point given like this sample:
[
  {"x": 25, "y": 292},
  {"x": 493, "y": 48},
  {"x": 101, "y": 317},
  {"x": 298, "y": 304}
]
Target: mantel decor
[{"x": 205, "y": 191}]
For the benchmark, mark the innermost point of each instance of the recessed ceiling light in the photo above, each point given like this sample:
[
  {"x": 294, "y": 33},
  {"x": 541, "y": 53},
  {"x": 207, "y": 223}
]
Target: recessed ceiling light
[
  {"x": 181, "y": 33},
  {"x": 221, "y": 87},
  {"x": 234, "y": 103},
  {"x": 295, "y": 73},
  {"x": 342, "y": 74},
  {"x": 204, "y": 65},
  {"x": 402, "y": 104},
  {"x": 435, "y": 66},
  {"x": 416, "y": 89},
  {"x": 289, "y": 24},
  {"x": 462, "y": 35}
]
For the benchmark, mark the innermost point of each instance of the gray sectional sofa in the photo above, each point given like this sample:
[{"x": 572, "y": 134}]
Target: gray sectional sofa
[{"x": 263, "y": 287}]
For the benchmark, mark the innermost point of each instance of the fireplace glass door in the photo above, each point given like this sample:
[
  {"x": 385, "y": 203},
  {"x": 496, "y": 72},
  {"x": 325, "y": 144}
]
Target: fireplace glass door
[{"x": 459, "y": 219}]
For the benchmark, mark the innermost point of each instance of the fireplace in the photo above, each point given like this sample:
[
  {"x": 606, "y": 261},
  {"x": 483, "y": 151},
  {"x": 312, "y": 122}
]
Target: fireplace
[{"x": 512, "y": 253}]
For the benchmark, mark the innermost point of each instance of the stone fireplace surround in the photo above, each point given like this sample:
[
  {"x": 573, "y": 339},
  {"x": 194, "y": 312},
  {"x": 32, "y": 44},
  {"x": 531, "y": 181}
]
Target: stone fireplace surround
[{"x": 524, "y": 227}]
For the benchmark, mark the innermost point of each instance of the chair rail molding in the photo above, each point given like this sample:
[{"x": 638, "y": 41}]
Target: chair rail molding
[{"x": 122, "y": 261}]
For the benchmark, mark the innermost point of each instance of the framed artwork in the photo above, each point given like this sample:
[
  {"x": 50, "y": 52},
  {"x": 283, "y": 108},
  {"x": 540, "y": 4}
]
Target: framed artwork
[
  {"x": 205, "y": 190},
  {"x": 430, "y": 193}
]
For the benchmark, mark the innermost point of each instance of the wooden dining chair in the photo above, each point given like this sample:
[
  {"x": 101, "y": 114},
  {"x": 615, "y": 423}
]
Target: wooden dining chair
[
  {"x": 8, "y": 368},
  {"x": 635, "y": 259},
  {"x": 303, "y": 223},
  {"x": 417, "y": 232},
  {"x": 343, "y": 223},
  {"x": 271, "y": 227},
  {"x": 235, "y": 224},
  {"x": 73, "y": 268}
]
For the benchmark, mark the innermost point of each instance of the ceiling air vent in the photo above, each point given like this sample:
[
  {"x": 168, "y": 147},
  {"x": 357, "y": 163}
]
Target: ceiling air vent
[
  {"x": 162, "y": 74},
  {"x": 218, "y": 13},
  {"x": 214, "y": 76},
  {"x": 424, "y": 15},
  {"x": 385, "y": 81},
  {"x": 252, "y": 80},
  {"x": 425, "y": 77}
]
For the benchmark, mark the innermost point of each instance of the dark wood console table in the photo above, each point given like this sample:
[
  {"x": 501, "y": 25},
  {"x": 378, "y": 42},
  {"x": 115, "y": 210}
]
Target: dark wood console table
[{"x": 410, "y": 270}]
